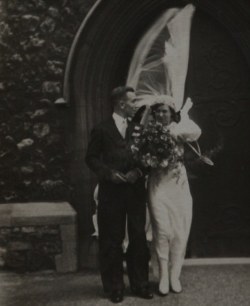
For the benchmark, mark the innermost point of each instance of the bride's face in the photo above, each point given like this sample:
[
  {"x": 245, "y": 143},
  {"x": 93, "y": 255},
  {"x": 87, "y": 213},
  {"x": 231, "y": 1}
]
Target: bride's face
[{"x": 163, "y": 114}]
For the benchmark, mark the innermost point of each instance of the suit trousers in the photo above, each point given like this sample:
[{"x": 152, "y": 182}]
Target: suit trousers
[{"x": 116, "y": 203}]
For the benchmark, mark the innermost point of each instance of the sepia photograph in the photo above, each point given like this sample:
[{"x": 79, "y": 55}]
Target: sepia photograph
[{"x": 124, "y": 152}]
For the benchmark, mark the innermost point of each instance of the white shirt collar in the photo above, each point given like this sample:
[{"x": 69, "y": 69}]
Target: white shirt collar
[
  {"x": 119, "y": 122},
  {"x": 118, "y": 119}
]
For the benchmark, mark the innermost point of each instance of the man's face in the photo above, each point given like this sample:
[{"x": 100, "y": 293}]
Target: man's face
[{"x": 129, "y": 104}]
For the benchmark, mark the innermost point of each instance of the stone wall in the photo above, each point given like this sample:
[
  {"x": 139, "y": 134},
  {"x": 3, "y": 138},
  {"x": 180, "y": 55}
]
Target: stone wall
[
  {"x": 29, "y": 248},
  {"x": 35, "y": 38}
]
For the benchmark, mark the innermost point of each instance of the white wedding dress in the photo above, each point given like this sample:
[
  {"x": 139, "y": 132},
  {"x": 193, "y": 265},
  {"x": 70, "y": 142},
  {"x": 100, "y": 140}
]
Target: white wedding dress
[{"x": 170, "y": 205}]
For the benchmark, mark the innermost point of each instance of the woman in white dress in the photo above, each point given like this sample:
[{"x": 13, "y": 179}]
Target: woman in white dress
[{"x": 170, "y": 201}]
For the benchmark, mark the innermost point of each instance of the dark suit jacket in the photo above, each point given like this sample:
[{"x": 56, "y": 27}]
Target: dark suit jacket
[{"x": 108, "y": 150}]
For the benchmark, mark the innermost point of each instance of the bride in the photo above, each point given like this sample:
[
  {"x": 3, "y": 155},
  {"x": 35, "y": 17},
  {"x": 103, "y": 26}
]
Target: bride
[
  {"x": 169, "y": 198},
  {"x": 158, "y": 73}
]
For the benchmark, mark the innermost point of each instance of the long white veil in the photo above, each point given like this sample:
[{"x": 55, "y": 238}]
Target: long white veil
[{"x": 160, "y": 61}]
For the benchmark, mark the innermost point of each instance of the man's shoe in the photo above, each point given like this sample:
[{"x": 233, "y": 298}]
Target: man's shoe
[
  {"x": 116, "y": 296},
  {"x": 143, "y": 293}
]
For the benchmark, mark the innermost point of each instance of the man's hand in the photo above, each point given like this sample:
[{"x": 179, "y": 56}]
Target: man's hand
[
  {"x": 118, "y": 177},
  {"x": 133, "y": 175}
]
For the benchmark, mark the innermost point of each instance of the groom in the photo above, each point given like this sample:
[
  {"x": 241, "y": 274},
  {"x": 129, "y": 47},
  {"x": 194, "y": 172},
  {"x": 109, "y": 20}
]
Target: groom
[{"x": 121, "y": 196}]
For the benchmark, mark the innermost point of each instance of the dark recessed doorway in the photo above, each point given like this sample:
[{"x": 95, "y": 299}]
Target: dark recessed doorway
[{"x": 218, "y": 81}]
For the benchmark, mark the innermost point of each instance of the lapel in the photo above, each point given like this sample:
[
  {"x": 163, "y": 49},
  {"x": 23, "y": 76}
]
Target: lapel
[
  {"x": 114, "y": 130},
  {"x": 129, "y": 130}
]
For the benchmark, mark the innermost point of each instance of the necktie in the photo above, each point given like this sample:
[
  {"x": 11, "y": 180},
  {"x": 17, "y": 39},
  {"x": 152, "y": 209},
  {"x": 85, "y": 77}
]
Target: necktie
[{"x": 124, "y": 128}]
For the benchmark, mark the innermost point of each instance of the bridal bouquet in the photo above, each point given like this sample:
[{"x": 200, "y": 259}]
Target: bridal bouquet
[{"x": 154, "y": 147}]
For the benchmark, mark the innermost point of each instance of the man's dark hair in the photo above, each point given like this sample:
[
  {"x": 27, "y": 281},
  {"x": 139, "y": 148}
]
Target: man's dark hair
[{"x": 119, "y": 93}]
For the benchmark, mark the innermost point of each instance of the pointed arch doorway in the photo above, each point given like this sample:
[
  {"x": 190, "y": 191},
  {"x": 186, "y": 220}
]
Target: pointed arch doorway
[{"x": 217, "y": 80}]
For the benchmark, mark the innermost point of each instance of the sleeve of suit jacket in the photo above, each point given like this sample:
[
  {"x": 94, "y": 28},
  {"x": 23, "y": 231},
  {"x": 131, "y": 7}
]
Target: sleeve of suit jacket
[{"x": 94, "y": 155}]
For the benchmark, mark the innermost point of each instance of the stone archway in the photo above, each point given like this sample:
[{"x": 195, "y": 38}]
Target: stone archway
[{"x": 99, "y": 60}]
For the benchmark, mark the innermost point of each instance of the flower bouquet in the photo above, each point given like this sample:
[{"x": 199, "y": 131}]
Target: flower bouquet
[{"x": 154, "y": 147}]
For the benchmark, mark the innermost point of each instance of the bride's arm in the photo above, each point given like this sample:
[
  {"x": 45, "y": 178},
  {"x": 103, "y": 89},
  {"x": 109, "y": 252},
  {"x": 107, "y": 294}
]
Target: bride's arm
[{"x": 186, "y": 129}]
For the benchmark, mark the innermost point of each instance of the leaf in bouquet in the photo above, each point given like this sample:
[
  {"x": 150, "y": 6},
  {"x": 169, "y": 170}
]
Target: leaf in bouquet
[
  {"x": 137, "y": 128},
  {"x": 165, "y": 130},
  {"x": 154, "y": 162},
  {"x": 156, "y": 124},
  {"x": 134, "y": 149},
  {"x": 164, "y": 137},
  {"x": 164, "y": 163},
  {"x": 206, "y": 160},
  {"x": 134, "y": 134}
]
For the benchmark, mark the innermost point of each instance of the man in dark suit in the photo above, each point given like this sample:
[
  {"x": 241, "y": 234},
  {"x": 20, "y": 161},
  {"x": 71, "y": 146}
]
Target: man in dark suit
[{"x": 121, "y": 195}]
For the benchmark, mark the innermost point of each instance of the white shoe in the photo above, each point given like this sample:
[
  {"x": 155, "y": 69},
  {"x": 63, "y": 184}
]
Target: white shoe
[
  {"x": 176, "y": 285},
  {"x": 164, "y": 286}
]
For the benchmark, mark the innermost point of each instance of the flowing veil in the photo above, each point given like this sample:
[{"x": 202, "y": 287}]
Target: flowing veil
[{"x": 160, "y": 61}]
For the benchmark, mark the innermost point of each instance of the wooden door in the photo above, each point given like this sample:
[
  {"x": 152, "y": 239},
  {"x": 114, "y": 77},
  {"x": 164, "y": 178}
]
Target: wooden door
[{"x": 219, "y": 83}]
